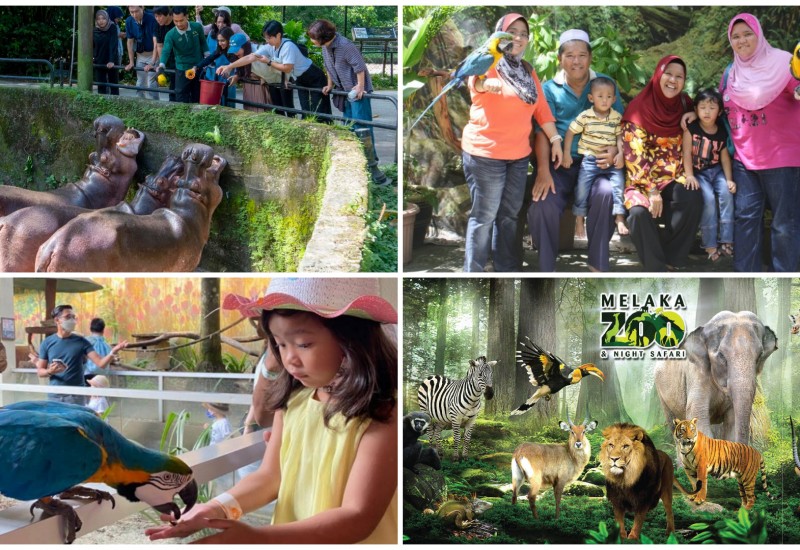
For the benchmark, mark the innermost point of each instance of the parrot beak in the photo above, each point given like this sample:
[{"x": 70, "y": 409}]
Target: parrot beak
[
  {"x": 189, "y": 495},
  {"x": 505, "y": 46}
]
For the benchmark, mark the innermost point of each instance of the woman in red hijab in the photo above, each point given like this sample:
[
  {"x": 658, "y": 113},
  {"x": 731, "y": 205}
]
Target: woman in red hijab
[{"x": 656, "y": 192}]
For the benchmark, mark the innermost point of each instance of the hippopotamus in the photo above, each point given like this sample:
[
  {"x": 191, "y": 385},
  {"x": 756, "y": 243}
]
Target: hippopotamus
[
  {"x": 24, "y": 231},
  {"x": 170, "y": 239},
  {"x": 105, "y": 182}
]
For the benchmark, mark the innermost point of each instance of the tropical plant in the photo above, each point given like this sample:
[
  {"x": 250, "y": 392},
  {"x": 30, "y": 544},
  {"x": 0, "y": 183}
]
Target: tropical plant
[
  {"x": 742, "y": 530},
  {"x": 542, "y": 51},
  {"x": 417, "y": 34},
  {"x": 612, "y": 55},
  {"x": 236, "y": 364},
  {"x": 186, "y": 358}
]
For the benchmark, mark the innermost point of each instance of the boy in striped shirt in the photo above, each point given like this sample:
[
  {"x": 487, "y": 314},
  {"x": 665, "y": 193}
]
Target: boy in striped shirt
[{"x": 599, "y": 128}]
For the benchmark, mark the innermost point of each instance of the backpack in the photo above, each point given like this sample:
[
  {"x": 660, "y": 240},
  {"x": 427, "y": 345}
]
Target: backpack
[
  {"x": 731, "y": 147},
  {"x": 303, "y": 51}
]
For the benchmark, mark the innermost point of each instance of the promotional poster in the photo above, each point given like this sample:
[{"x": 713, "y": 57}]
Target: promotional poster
[{"x": 596, "y": 410}]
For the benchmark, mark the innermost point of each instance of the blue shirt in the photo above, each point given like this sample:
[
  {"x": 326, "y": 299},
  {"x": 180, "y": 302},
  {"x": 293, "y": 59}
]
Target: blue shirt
[
  {"x": 566, "y": 106},
  {"x": 102, "y": 348},
  {"x": 143, "y": 34},
  {"x": 72, "y": 351},
  {"x": 287, "y": 52}
]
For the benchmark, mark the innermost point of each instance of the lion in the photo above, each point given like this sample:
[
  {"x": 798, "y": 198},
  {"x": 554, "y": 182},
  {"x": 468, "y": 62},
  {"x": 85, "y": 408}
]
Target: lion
[{"x": 637, "y": 476}]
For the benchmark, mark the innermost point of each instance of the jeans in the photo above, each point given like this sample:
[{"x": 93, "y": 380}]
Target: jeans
[
  {"x": 496, "y": 188},
  {"x": 715, "y": 191},
  {"x": 590, "y": 172},
  {"x": 144, "y": 78},
  {"x": 360, "y": 110},
  {"x": 106, "y": 75},
  {"x": 778, "y": 188},
  {"x": 544, "y": 217}
]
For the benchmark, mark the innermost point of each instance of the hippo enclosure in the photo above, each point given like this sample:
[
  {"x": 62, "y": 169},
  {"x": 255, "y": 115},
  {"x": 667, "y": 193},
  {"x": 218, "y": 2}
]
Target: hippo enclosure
[{"x": 295, "y": 192}]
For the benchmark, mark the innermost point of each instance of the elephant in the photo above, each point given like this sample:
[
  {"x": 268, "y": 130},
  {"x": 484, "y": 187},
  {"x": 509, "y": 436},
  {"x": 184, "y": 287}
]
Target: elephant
[{"x": 717, "y": 381}]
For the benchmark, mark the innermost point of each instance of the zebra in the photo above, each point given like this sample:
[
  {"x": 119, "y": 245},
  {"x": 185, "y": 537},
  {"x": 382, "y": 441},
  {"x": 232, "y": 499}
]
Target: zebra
[{"x": 455, "y": 402}]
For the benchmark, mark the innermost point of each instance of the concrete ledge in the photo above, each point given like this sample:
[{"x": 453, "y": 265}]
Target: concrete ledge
[{"x": 339, "y": 231}]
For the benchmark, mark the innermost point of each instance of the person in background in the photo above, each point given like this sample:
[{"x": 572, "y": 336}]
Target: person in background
[
  {"x": 105, "y": 52},
  {"x": 97, "y": 327},
  {"x": 62, "y": 355},
  {"x": 163, "y": 15},
  {"x": 98, "y": 403},
  {"x": 187, "y": 42},
  {"x": 346, "y": 71},
  {"x": 220, "y": 427},
  {"x": 116, "y": 15},
  {"x": 140, "y": 28},
  {"x": 225, "y": 13}
]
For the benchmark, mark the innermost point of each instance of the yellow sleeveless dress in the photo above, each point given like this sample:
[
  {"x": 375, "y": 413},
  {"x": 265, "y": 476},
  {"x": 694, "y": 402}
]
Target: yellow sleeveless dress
[{"x": 316, "y": 462}]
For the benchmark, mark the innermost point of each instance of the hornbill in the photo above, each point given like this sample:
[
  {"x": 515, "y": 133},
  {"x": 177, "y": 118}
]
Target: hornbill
[{"x": 548, "y": 373}]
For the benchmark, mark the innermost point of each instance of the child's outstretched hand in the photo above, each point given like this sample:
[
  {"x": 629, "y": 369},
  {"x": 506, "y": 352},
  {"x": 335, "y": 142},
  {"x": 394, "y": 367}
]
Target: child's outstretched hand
[
  {"x": 566, "y": 161},
  {"x": 619, "y": 160},
  {"x": 732, "y": 186},
  {"x": 692, "y": 183}
]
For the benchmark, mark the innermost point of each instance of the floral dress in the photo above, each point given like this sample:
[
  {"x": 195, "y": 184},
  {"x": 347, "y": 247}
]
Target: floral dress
[{"x": 651, "y": 162}]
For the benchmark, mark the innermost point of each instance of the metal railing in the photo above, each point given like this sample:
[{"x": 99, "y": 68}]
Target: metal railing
[{"x": 44, "y": 62}]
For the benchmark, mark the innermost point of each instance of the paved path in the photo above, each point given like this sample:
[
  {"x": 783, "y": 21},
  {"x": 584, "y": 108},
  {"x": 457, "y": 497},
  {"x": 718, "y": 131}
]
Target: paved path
[{"x": 448, "y": 257}]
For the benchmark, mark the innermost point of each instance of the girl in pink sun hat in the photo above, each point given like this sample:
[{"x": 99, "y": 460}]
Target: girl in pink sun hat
[{"x": 335, "y": 401}]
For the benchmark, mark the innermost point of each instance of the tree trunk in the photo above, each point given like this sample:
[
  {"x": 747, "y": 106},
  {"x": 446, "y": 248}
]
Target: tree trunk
[
  {"x": 477, "y": 308},
  {"x": 85, "y": 48},
  {"x": 211, "y": 349},
  {"x": 537, "y": 321},
  {"x": 441, "y": 327},
  {"x": 501, "y": 345},
  {"x": 709, "y": 299},
  {"x": 740, "y": 295}
]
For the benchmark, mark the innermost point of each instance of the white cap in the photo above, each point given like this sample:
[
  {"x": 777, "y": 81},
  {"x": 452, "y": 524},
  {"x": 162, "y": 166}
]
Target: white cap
[
  {"x": 222, "y": 8},
  {"x": 573, "y": 34}
]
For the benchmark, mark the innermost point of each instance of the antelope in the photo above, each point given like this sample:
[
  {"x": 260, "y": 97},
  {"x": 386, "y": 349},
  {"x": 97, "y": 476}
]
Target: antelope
[{"x": 551, "y": 464}]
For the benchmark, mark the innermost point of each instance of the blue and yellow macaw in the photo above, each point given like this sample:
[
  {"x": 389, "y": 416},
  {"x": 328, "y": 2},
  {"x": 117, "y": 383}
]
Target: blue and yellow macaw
[
  {"x": 794, "y": 64},
  {"x": 478, "y": 63},
  {"x": 49, "y": 448}
]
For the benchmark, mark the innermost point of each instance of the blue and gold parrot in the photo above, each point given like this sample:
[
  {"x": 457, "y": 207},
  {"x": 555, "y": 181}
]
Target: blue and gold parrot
[
  {"x": 478, "y": 63},
  {"x": 794, "y": 66},
  {"x": 49, "y": 448}
]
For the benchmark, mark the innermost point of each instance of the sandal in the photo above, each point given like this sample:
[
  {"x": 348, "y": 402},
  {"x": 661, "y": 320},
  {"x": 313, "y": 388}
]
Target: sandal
[
  {"x": 726, "y": 249},
  {"x": 713, "y": 254}
]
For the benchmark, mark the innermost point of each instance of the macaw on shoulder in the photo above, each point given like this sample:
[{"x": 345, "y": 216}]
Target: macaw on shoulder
[
  {"x": 794, "y": 66},
  {"x": 478, "y": 63},
  {"x": 49, "y": 448}
]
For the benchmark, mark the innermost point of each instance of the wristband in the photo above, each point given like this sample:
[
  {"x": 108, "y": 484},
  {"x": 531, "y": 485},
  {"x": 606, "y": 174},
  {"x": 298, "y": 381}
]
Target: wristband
[
  {"x": 556, "y": 138},
  {"x": 230, "y": 506}
]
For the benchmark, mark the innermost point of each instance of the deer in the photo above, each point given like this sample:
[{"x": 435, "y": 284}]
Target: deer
[{"x": 551, "y": 464}]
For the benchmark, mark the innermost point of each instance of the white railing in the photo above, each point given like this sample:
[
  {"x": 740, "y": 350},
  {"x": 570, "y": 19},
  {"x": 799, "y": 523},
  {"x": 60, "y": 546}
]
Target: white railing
[
  {"x": 160, "y": 395},
  {"x": 207, "y": 463}
]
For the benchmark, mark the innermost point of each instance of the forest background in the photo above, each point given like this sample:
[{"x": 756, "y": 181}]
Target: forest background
[{"x": 627, "y": 42}]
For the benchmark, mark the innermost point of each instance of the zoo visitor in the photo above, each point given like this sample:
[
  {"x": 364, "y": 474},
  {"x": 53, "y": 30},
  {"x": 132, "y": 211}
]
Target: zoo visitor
[
  {"x": 567, "y": 95},
  {"x": 332, "y": 457},
  {"x": 763, "y": 114},
  {"x": 187, "y": 43},
  {"x": 656, "y": 192},
  {"x": 141, "y": 28},
  {"x": 105, "y": 52},
  {"x": 496, "y": 150}
]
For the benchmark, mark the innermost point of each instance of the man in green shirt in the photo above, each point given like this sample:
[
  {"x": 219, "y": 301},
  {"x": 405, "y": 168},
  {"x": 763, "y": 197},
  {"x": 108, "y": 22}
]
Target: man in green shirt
[{"x": 188, "y": 44}]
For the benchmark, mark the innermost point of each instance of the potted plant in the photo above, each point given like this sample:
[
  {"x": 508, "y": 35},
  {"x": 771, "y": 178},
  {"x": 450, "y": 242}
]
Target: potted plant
[{"x": 427, "y": 201}]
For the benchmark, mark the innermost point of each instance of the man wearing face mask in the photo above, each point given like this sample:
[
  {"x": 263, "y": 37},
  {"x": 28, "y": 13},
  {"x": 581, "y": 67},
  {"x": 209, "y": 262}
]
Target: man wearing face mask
[{"x": 63, "y": 354}]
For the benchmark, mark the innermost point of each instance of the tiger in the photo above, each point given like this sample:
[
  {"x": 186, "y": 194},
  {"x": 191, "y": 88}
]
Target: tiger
[{"x": 702, "y": 455}]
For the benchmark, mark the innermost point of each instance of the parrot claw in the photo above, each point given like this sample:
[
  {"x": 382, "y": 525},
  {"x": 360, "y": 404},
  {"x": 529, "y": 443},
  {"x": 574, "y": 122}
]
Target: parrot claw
[
  {"x": 52, "y": 507},
  {"x": 85, "y": 493}
]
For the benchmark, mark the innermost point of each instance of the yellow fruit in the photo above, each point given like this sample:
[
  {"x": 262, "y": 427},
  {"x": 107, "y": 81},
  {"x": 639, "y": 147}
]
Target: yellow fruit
[
  {"x": 190, "y": 74},
  {"x": 162, "y": 80}
]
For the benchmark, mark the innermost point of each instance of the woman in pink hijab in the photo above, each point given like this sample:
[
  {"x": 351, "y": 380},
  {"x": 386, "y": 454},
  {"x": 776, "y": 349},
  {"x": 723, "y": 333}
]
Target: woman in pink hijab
[{"x": 764, "y": 118}]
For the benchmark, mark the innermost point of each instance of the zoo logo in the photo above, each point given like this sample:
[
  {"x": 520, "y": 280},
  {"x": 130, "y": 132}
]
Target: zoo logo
[{"x": 641, "y": 329}]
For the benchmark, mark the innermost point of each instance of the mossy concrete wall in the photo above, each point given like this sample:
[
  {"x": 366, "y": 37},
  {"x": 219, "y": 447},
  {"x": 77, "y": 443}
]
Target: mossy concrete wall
[{"x": 276, "y": 184}]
